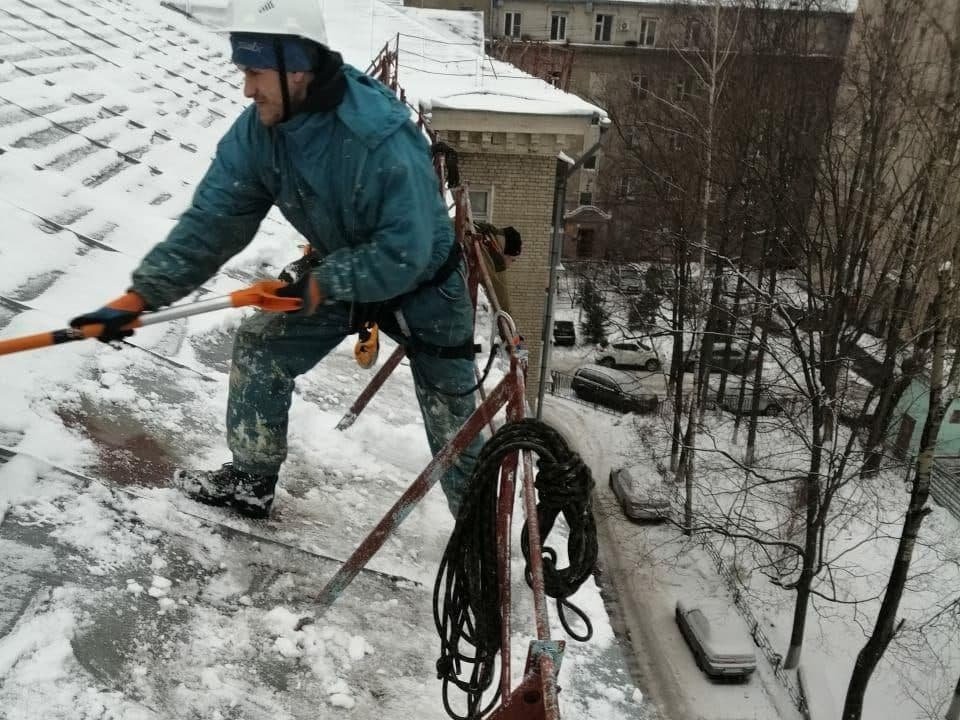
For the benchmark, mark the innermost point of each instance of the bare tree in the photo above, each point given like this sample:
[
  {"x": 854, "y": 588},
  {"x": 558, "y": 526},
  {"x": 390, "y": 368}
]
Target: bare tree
[{"x": 886, "y": 623}]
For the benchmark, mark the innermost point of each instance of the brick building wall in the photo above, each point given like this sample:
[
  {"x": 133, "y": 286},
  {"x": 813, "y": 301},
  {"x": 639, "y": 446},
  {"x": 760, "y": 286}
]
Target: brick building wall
[
  {"x": 511, "y": 160},
  {"x": 523, "y": 197}
]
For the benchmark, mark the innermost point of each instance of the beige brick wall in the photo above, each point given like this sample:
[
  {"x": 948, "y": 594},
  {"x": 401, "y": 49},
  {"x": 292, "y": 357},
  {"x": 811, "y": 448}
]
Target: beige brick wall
[{"x": 522, "y": 197}]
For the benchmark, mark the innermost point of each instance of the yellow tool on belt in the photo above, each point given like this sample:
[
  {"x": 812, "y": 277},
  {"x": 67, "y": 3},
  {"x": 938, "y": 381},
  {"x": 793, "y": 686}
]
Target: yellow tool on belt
[{"x": 368, "y": 346}]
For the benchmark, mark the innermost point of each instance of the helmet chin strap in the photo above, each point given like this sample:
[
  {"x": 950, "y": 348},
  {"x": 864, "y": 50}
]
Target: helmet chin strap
[{"x": 282, "y": 70}]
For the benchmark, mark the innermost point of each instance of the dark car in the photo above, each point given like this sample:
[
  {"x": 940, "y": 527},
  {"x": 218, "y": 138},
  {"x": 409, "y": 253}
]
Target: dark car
[
  {"x": 564, "y": 333},
  {"x": 734, "y": 360},
  {"x": 612, "y": 388}
]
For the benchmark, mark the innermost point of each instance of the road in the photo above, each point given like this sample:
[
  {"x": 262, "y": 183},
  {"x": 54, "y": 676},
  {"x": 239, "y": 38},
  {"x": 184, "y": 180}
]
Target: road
[{"x": 642, "y": 590}]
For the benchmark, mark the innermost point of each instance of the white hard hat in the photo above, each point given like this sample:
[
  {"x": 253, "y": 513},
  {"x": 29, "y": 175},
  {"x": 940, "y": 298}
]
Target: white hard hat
[{"x": 303, "y": 18}]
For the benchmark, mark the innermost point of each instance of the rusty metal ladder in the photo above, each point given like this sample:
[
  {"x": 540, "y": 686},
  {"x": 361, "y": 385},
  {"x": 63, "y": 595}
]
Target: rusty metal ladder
[{"x": 535, "y": 697}]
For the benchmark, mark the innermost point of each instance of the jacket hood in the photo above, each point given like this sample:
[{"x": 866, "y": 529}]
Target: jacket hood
[{"x": 369, "y": 109}]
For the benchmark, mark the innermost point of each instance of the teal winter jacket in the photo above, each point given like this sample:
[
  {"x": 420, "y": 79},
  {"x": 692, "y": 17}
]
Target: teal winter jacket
[{"x": 356, "y": 182}]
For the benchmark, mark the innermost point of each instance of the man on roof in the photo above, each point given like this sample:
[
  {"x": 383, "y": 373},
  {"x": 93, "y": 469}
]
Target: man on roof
[{"x": 337, "y": 153}]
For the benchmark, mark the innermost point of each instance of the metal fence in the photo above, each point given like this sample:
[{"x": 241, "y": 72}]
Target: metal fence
[
  {"x": 759, "y": 637},
  {"x": 560, "y": 386},
  {"x": 945, "y": 483},
  {"x": 736, "y": 588}
]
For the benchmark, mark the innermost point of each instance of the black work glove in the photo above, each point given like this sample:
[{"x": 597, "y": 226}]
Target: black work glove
[
  {"x": 114, "y": 316},
  {"x": 294, "y": 271},
  {"x": 308, "y": 290}
]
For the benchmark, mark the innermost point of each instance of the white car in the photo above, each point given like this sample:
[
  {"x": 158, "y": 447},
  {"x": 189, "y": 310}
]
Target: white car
[
  {"x": 641, "y": 499},
  {"x": 628, "y": 353},
  {"x": 719, "y": 639}
]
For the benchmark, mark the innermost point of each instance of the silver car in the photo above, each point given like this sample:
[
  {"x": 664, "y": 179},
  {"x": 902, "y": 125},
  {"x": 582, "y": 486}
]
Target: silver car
[
  {"x": 720, "y": 642},
  {"x": 640, "y": 500}
]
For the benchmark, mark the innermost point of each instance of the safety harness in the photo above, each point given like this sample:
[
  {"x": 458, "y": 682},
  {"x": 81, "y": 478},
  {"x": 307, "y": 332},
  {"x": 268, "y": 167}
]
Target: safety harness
[{"x": 388, "y": 315}]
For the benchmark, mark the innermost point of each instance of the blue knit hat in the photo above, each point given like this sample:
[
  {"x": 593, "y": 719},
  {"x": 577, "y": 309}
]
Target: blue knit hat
[{"x": 260, "y": 52}]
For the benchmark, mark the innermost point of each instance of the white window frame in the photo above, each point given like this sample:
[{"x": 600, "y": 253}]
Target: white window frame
[
  {"x": 487, "y": 192},
  {"x": 558, "y": 26},
  {"x": 511, "y": 24},
  {"x": 648, "y": 32},
  {"x": 603, "y": 28}
]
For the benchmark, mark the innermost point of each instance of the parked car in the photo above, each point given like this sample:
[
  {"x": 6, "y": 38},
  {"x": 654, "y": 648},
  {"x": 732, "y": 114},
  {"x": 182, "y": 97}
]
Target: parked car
[
  {"x": 630, "y": 278},
  {"x": 641, "y": 499},
  {"x": 612, "y": 388},
  {"x": 769, "y": 404},
  {"x": 564, "y": 333},
  {"x": 720, "y": 641},
  {"x": 628, "y": 353},
  {"x": 735, "y": 360}
]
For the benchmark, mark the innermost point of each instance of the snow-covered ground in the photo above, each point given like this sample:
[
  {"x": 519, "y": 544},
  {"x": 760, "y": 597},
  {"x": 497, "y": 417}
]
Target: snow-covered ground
[
  {"x": 119, "y": 598},
  {"x": 917, "y": 676}
]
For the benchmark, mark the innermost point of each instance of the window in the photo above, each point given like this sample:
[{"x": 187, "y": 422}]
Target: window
[
  {"x": 641, "y": 84},
  {"x": 633, "y": 136},
  {"x": 596, "y": 83},
  {"x": 590, "y": 163},
  {"x": 585, "y": 243},
  {"x": 511, "y": 25},
  {"x": 648, "y": 32},
  {"x": 685, "y": 88},
  {"x": 602, "y": 29},
  {"x": 693, "y": 34},
  {"x": 676, "y": 141},
  {"x": 558, "y": 26},
  {"x": 480, "y": 204},
  {"x": 586, "y": 198},
  {"x": 629, "y": 186},
  {"x": 955, "y": 417}
]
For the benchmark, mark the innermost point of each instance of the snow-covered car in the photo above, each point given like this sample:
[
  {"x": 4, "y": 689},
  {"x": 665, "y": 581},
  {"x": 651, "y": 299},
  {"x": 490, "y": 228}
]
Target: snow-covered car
[
  {"x": 721, "y": 643},
  {"x": 640, "y": 499},
  {"x": 612, "y": 388},
  {"x": 627, "y": 353}
]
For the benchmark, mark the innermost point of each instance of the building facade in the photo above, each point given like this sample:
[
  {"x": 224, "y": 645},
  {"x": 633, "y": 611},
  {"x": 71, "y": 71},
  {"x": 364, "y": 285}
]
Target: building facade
[
  {"x": 509, "y": 161},
  {"x": 644, "y": 62}
]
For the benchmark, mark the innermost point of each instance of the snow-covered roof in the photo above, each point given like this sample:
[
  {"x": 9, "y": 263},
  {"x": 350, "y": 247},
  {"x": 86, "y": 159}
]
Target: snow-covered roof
[
  {"x": 587, "y": 210},
  {"x": 442, "y": 61},
  {"x": 848, "y": 6}
]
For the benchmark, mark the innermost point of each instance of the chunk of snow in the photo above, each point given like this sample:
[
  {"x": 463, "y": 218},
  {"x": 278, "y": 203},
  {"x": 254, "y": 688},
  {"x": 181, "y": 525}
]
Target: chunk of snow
[
  {"x": 286, "y": 647},
  {"x": 342, "y": 701}
]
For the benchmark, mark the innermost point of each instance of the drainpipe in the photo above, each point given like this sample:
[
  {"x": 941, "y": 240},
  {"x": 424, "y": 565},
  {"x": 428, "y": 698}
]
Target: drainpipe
[{"x": 566, "y": 167}]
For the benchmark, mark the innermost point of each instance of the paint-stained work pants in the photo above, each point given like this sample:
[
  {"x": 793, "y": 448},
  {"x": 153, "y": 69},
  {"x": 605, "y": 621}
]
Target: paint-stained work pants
[{"x": 272, "y": 349}]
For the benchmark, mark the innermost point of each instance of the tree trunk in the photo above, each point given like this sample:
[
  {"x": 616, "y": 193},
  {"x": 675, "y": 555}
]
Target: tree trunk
[
  {"x": 728, "y": 340},
  {"x": 811, "y": 539},
  {"x": 885, "y": 627},
  {"x": 677, "y": 363},
  {"x": 758, "y": 372}
]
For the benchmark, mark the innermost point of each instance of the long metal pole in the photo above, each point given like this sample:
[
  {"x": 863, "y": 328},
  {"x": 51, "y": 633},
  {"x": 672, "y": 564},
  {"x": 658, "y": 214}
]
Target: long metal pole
[
  {"x": 559, "y": 192},
  {"x": 565, "y": 169}
]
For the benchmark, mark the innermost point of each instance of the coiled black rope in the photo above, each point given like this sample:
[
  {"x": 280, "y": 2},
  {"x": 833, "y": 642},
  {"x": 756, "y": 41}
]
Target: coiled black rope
[{"x": 466, "y": 600}]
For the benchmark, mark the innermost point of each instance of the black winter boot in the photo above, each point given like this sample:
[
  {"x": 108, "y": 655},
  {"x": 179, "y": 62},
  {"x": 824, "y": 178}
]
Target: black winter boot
[{"x": 250, "y": 495}]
